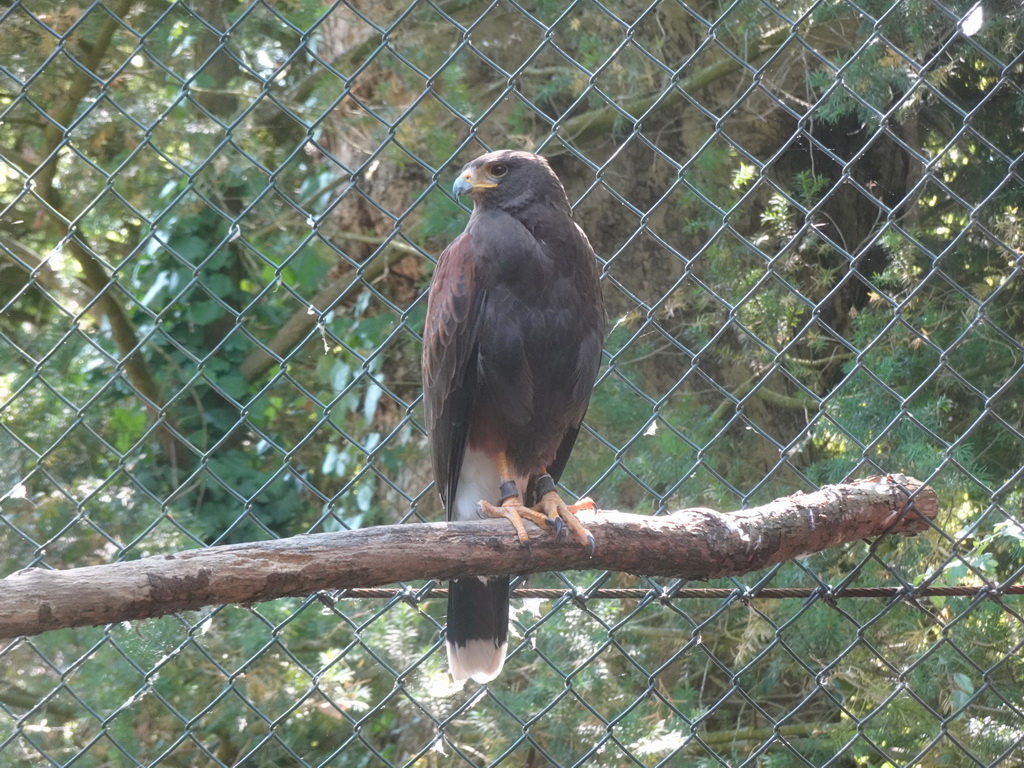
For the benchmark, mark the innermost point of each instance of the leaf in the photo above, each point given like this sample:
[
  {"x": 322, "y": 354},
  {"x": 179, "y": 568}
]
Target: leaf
[
  {"x": 373, "y": 394},
  {"x": 341, "y": 375},
  {"x": 189, "y": 248},
  {"x": 364, "y": 496},
  {"x": 962, "y": 690},
  {"x": 128, "y": 424},
  {"x": 205, "y": 312}
]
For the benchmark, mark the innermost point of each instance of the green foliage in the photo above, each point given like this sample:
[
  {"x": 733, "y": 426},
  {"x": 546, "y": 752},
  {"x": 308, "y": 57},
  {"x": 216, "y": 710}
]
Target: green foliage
[{"x": 776, "y": 357}]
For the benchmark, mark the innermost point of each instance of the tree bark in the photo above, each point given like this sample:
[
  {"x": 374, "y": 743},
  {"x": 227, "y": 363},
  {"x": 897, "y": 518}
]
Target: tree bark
[{"x": 689, "y": 544}]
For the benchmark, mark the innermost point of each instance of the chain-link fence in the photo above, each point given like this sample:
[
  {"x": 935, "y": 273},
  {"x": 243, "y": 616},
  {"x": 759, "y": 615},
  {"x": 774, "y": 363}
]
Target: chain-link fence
[{"x": 217, "y": 226}]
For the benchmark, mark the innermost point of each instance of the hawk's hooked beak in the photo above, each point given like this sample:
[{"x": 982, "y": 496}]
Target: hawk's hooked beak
[{"x": 471, "y": 180}]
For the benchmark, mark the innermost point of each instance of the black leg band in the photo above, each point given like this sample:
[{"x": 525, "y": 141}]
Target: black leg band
[
  {"x": 508, "y": 489},
  {"x": 543, "y": 484}
]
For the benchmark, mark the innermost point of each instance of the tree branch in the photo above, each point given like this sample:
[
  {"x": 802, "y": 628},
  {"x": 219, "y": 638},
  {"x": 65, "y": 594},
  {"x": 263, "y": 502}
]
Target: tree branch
[
  {"x": 599, "y": 124},
  {"x": 98, "y": 281},
  {"x": 295, "y": 330},
  {"x": 689, "y": 544}
]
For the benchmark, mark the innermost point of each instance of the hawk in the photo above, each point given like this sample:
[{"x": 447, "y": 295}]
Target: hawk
[{"x": 511, "y": 349}]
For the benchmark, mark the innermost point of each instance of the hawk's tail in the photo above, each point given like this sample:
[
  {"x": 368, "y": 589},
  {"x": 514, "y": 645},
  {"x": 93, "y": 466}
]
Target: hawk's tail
[{"x": 477, "y": 627}]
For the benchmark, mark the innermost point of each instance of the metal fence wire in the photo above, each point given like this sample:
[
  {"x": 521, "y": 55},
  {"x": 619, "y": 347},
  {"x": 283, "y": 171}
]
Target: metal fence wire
[{"x": 217, "y": 227}]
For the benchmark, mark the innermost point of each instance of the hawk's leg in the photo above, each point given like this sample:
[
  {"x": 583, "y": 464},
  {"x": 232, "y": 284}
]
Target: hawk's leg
[
  {"x": 558, "y": 513},
  {"x": 551, "y": 512},
  {"x": 511, "y": 507}
]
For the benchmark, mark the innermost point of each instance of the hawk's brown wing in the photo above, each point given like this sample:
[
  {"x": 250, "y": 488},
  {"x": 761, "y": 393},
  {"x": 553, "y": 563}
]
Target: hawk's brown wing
[{"x": 449, "y": 361}]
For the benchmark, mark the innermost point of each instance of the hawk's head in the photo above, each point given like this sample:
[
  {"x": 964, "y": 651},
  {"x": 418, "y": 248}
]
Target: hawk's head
[{"x": 510, "y": 180}]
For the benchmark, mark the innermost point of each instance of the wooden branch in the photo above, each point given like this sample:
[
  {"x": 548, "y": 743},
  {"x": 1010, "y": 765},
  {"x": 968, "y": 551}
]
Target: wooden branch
[{"x": 689, "y": 544}]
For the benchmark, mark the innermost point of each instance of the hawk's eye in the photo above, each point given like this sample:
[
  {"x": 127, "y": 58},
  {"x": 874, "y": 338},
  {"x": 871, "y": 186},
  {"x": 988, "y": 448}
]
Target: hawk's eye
[{"x": 499, "y": 170}]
